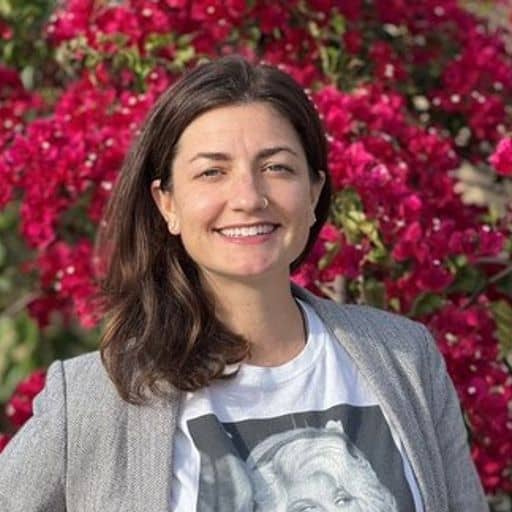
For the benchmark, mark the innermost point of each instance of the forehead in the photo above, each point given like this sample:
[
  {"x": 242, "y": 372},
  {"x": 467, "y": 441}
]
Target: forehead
[{"x": 248, "y": 125}]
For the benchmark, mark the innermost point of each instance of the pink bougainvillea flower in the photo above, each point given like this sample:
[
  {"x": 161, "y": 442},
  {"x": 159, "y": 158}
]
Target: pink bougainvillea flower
[
  {"x": 67, "y": 270},
  {"x": 306, "y": 275},
  {"x": 5, "y": 30},
  {"x": 408, "y": 243},
  {"x": 353, "y": 41},
  {"x": 19, "y": 407},
  {"x": 4, "y": 439},
  {"x": 501, "y": 159}
]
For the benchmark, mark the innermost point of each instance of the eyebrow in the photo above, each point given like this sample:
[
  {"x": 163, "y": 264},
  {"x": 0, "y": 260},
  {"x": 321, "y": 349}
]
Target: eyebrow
[{"x": 225, "y": 157}]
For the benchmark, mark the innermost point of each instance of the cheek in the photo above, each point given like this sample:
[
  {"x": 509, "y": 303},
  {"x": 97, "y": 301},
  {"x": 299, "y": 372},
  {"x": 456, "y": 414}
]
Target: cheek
[
  {"x": 301, "y": 210},
  {"x": 295, "y": 199},
  {"x": 197, "y": 210}
]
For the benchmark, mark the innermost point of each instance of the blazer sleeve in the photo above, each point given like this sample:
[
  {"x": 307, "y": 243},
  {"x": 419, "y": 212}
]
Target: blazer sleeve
[
  {"x": 32, "y": 466},
  {"x": 465, "y": 493}
]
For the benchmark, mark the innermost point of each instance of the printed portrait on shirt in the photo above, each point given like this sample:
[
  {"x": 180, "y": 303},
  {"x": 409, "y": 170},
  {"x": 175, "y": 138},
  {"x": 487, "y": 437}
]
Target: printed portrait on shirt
[
  {"x": 302, "y": 469},
  {"x": 315, "y": 470}
]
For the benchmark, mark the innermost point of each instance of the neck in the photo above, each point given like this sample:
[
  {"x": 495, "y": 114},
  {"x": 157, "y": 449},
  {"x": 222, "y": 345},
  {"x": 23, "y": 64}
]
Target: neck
[{"x": 265, "y": 314}]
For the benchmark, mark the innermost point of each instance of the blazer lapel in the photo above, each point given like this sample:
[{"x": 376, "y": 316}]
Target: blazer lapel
[
  {"x": 373, "y": 360},
  {"x": 151, "y": 430}
]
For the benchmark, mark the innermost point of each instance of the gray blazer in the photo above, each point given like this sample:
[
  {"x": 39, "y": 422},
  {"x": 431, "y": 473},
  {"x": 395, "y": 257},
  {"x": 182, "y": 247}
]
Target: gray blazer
[{"x": 86, "y": 450}]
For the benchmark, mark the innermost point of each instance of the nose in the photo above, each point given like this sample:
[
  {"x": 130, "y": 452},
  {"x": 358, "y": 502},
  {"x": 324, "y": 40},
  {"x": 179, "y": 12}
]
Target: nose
[{"x": 247, "y": 192}]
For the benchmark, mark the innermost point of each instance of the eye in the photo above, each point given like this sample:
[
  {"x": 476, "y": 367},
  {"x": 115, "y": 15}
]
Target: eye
[
  {"x": 303, "y": 506},
  {"x": 342, "y": 499},
  {"x": 278, "y": 168},
  {"x": 210, "y": 173}
]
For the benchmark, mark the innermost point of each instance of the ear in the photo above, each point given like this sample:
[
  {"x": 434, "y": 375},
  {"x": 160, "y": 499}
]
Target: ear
[
  {"x": 166, "y": 206},
  {"x": 316, "y": 189}
]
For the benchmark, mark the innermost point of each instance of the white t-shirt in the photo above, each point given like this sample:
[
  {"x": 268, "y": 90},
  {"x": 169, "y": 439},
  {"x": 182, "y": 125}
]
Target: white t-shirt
[{"x": 306, "y": 436}]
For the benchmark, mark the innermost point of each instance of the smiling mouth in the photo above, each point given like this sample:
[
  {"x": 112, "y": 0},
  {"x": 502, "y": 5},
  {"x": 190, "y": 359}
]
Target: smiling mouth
[{"x": 248, "y": 231}]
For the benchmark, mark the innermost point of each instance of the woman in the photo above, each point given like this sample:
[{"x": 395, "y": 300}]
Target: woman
[{"x": 210, "y": 355}]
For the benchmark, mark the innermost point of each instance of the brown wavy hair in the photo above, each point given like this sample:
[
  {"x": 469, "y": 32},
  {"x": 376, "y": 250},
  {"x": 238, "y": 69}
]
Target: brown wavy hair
[{"x": 161, "y": 324}]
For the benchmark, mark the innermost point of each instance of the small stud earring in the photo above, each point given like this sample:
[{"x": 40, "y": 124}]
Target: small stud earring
[{"x": 172, "y": 226}]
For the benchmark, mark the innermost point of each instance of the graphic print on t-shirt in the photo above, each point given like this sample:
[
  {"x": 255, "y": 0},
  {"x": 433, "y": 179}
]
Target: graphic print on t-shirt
[{"x": 332, "y": 460}]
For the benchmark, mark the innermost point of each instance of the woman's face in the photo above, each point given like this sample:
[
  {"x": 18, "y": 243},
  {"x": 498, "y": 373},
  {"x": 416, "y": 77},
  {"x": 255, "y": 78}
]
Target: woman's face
[{"x": 229, "y": 159}]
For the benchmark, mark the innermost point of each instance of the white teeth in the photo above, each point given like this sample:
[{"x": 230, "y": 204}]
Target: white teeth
[{"x": 262, "y": 229}]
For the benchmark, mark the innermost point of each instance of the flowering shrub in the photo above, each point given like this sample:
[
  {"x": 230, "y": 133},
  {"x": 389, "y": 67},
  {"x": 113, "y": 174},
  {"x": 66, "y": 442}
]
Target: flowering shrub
[
  {"x": 19, "y": 407},
  {"x": 407, "y": 95}
]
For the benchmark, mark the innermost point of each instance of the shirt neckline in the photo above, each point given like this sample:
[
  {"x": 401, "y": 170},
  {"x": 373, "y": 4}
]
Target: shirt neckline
[{"x": 271, "y": 376}]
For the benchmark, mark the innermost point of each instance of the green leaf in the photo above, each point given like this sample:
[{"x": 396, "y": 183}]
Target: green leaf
[
  {"x": 331, "y": 251},
  {"x": 27, "y": 77},
  {"x": 184, "y": 55},
  {"x": 378, "y": 255},
  {"x": 5, "y": 285},
  {"x": 337, "y": 23},
  {"x": 155, "y": 41},
  {"x": 5, "y": 8},
  {"x": 458, "y": 261},
  {"x": 8, "y": 218},
  {"x": 314, "y": 29},
  {"x": 349, "y": 216},
  {"x": 184, "y": 40},
  {"x": 425, "y": 304},
  {"x": 502, "y": 313},
  {"x": 9, "y": 49},
  {"x": 27, "y": 329},
  {"x": 504, "y": 286},
  {"x": 468, "y": 278},
  {"x": 374, "y": 293},
  {"x": 18, "y": 341},
  {"x": 394, "y": 304},
  {"x": 8, "y": 339},
  {"x": 347, "y": 212},
  {"x": 3, "y": 254}
]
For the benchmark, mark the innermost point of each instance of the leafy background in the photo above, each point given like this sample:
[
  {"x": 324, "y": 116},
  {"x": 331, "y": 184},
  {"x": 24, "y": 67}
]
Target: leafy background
[{"x": 417, "y": 101}]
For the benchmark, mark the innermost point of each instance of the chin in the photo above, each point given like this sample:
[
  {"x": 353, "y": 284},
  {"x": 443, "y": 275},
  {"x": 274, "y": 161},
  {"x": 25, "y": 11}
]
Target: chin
[{"x": 253, "y": 273}]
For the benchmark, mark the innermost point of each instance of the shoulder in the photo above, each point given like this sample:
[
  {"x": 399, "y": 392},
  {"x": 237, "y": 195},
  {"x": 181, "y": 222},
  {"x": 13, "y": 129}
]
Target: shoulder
[
  {"x": 83, "y": 381},
  {"x": 372, "y": 323},
  {"x": 369, "y": 325},
  {"x": 86, "y": 367},
  {"x": 366, "y": 317}
]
